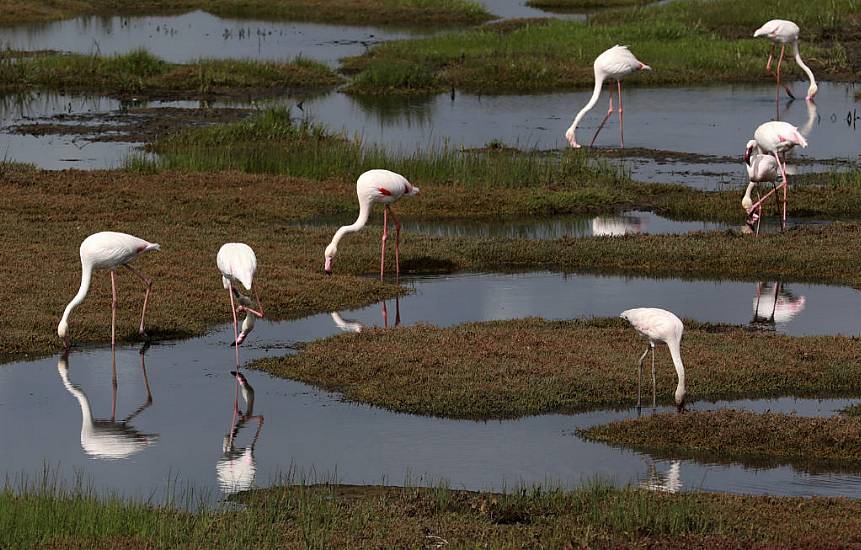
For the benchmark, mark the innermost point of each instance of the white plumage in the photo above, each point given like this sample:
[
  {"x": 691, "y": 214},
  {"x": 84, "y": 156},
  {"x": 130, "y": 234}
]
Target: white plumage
[
  {"x": 783, "y": 32},
  {"x": 238, "y": 265},
  {"x": 107, "y": 250},
  {"x": 659, "y": 325},
  {"x": 615, "y": 64}
]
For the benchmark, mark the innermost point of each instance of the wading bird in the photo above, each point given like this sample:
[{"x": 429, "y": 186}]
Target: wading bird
[
  {"x": 760, "y": 168},
  {"x": 784, "y": 32},
  {"x": 614, "y": 64},
  {"x": 107, "y": 250},
  {"x": 237, "y": 468},
  {"x": 375, "y": 186},
  {"x": 659, "y": 325},
  {"x": 238, "y": 265},
  {"x": 774, "y": 138}
]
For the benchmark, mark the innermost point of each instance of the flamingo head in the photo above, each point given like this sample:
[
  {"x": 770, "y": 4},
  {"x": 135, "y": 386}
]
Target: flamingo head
[
  {"x": 63, "y": 332},
  {"x": 239, "y": 377},
  {"x": 811, "y": 91},
  {"x": 680, "y": 400},
  {"x": 412, "y": 191},
  {"x": 572, "y": 139},
  {"x": 247, "y": 327},
  {"x": 331, "y": 250},
  {"x": 748, "y": 151}
]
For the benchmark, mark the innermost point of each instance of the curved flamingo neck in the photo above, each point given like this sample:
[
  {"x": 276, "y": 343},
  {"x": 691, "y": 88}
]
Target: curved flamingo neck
[
  {"x": 364, "y": 212},
  {"x": 86, "y": 411},
  {"x": 86, "y": 277},
  {"x": 676, "y": 354},
  {"x": 596, "y": 93},
  {"x": 804, "y": 67}
]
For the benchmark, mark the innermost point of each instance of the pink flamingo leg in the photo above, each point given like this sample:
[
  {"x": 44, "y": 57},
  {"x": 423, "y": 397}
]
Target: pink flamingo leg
[
  {"x": 607, "y": 116},
  {"x": 785, "y": 186},
  {"x": 383, "y": 244},
  {"x": 258, "y": 314},
  {"x": 770, "y": 57},
  {"x": 621, "y": 116},
  {"x": 114, "y": 386},
  {"x": 148, "y": 283},
  {"x": 397, "y": 311},
  {"x": 785, "y": 86},
  {"x": 113, "y": 309},
  {"x": 397, "y": 246},
  {"x": 235, "y": 324},
  {"x": 385, "y": 315}
]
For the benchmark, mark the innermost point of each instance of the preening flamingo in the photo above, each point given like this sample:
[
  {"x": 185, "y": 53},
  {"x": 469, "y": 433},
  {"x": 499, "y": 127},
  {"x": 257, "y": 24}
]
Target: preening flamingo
[
  {"x": 615, "y": 64},
  {"x": 375, "y": 186},
  {"x": 760, "y": 168},
  {"x": 659, "y": 325},
  {"x": 107, "y": 250},
  {"x": 238, "y": 265},
  {"x": 774, "y": 138},
  {"x": 783, "y": 32}
]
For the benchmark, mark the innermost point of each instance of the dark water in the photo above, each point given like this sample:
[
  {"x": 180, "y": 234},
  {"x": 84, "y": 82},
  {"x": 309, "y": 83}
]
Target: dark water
[
  {"x": 197, "y": 34},
  {"x": 183, "y": 436},
  {"x": 707, "y": 127}
]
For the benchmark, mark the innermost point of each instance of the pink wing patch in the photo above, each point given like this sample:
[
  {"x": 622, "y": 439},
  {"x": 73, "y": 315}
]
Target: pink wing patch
[{"x": 384, "y": 191}]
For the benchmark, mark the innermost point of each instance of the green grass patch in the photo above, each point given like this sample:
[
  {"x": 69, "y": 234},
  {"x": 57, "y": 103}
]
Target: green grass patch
[
  {"x": 686, "y": 43},
  {"x": 505, "y": 369},
  {"x": 757, "y": 439},
  {"x": 377, "y": 12},
  {"x": 329, "y": 516},
  {"x": 141, "y": 74}
]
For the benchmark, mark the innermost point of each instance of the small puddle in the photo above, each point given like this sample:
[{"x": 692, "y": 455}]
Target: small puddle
[
  {"x": 174, "y": 421},
  {"x": 197, "y": 34}
]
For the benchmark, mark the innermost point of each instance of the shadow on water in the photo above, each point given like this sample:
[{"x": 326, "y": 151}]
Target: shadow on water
[{"x": 308, "y": 430}]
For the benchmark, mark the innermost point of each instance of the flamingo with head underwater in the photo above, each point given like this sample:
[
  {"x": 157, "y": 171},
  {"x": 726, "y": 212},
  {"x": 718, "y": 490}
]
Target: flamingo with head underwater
[
  {"x": 659, "y": 325},
  {"x": 774, "y": 138},
  {"x": 614, "y": 64},
  {"x": 783, "y": 32},
  {"x": 760, "y": 168},
  {"x": 108, "y": 250},
  {"x": 238, "y": 265},
  {"x": 375, "y": 186}
]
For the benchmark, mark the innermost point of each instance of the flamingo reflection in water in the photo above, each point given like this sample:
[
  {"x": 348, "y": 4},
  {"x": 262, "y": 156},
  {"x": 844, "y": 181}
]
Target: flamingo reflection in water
[
  {"x": 617, "y": 225},
  {"x": 351, "y": 325},
  {"x": 109, "y": 439},
  {"x": 667, "y": 482},
  {"x": 772, "y": 304},
  {"x": 236, "y": 469}
]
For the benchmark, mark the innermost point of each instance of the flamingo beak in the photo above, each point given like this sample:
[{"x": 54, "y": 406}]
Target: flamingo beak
[
  {"x": 680, "y": 407},
  {"x": 328, "y": 267},
  {"x": 747, "y": 153}
]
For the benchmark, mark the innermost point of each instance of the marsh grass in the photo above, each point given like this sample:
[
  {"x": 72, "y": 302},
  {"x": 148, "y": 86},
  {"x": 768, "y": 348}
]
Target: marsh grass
[
  {"x": 306, "y": 515},
  {"x": 144, "y": 75},
  {"x": 380, "y": 12},
  {"x": 505, "y": 369},
  {"x": 685, "y": 42},
  {"x": 756, "y": 439}
]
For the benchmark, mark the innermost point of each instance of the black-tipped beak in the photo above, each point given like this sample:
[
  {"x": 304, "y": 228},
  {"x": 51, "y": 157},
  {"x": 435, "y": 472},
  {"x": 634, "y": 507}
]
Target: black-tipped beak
[
  {"x": 328, "y": 271},
  {"x": 747, "y": 153},
  {"x": 680, "y": 407},
  {"x": 233, "y": 373}
]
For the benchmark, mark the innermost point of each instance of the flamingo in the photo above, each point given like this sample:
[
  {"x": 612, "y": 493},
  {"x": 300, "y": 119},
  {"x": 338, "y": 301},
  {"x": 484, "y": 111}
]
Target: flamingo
[
  {"x": 659, "y": 325},
  {"x": 237, "y": 468},
  {"x": 238, "y": 265},
  {"x": 102, "y": 438},
  {"x": 760, "y": 168},
  {"x": 774, "y": 138},
  {"x": 783, "y": 32},
  {"x": 375, "y": 186},
  {"x": 615, "y": 63},
  {"x": 108, "y": 250},
  {"x": 773, "y": 303}
]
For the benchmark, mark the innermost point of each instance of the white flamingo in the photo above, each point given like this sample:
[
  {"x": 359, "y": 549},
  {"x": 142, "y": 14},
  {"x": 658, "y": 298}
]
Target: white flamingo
[
  {"x": 775, "y": 138},
  {"x": 237, "y": 468},
  {"x": 659, "y": 325},
  {"x": 375, "y": 186},
  {"x": 615, "y": 64},
  {"x": 102, "y": 438},
  {"x": 760, "y": 168},
  {"x": 107, "y": 250},
  {"x": 346, "y": 325},
  {"x": 773, "y": 303},
  {"x": 783, "y": 32},
  {"x": 238, "y": 265}
]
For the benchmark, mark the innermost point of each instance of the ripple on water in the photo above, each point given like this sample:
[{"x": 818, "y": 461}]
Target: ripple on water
[{"x": 193, "y": 433}]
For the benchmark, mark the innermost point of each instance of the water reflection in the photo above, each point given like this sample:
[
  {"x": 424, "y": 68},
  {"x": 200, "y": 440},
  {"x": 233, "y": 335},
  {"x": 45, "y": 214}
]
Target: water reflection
[
  {"x": 668, "y": 481},
  {"x": 237, "y": 468},
  {"x": 774, "y": 304},
  {"x": 346, "y": 325},
  {"x": 621, "y": 225},
  {"x": 109, "y": 439}
]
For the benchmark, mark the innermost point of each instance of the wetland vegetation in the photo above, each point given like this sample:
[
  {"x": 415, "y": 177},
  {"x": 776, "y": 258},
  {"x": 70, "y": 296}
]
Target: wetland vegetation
[
  {"x": 144, "y": 76},
  {"x": 505, "y": 369},
  {"x": 321, "y": 516},
  {"x": 687, "y": 43},
  {"x": 365, "y": 12},
  {"x": 756, "y": 439}
]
